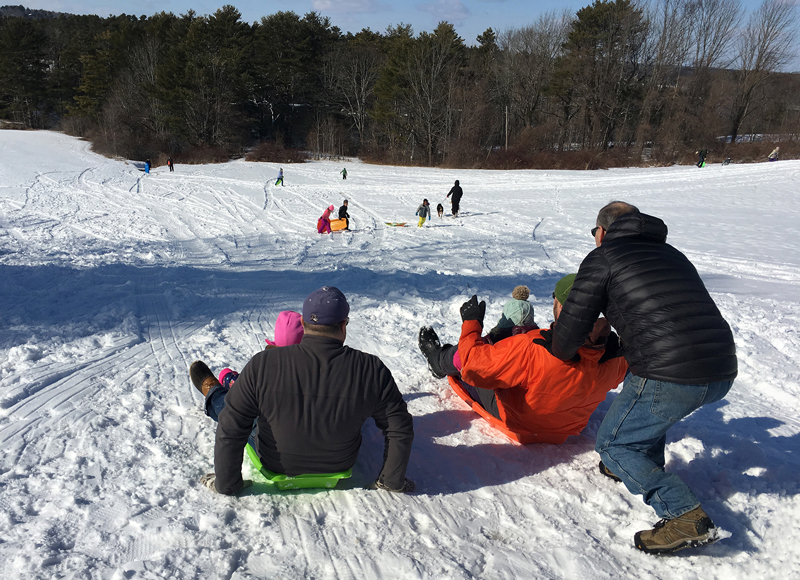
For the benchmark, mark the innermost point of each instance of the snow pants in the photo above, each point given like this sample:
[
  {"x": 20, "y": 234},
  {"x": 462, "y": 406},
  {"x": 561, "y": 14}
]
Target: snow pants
[{"x": 444, "y": 363}]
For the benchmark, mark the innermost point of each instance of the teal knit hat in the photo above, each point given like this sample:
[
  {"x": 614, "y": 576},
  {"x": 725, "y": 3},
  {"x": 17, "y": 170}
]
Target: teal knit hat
[{"x": 516, "y": 313}]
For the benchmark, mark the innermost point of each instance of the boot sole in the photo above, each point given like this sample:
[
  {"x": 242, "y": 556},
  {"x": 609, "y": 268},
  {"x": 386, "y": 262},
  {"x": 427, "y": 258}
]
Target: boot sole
[
  {"x": 712, "y": 537},
  {"x": 198, "y": 373}
]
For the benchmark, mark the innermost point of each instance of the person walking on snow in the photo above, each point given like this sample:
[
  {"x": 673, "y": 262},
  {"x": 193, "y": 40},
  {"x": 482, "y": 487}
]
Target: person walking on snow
[
  {"x": 343, "y": 215},
  {"x": 681, "y": 355},
  {"x": 701, "y": 157},
  {"x": 344, "y": 173},
  {"x": 170, "y": 164},
  {"x": 423, "y": 211},
  {"x": 280, "y": 177},
  {"x": 147, "y": 166},
  {"x": 456, "y": 192},
  {"x": 310, "y": 402},
  {"x": 324, "y": 222},
  {"x": 774, "y": 155}
]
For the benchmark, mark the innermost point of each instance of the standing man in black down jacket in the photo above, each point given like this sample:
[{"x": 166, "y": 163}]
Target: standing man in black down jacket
[
  {"x": 311, "y": 400},
  {"x": 681, "y": 355}
]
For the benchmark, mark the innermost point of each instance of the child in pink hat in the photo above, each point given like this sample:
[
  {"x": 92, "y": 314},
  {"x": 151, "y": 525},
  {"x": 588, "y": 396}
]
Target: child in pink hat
[
  {"x": 324, "y": 223},
  {"x": 288, "y": 331}
]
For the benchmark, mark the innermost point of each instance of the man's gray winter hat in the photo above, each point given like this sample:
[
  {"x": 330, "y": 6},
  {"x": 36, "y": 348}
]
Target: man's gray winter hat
[{"x": 325, "y": 306}]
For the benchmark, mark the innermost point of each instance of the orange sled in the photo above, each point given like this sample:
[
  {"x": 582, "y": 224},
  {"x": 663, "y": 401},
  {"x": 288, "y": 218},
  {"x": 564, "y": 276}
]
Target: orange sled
[
  {"x": 523, "y": 437},
  {"x": 338, "y": 224}
]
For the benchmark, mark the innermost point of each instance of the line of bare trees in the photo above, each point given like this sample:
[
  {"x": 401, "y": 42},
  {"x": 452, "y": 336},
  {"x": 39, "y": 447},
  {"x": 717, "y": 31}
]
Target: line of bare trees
[{"x": 633, "y": 79}]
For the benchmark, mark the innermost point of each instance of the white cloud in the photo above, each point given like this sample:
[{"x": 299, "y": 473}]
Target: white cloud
[
  {"x": 452, "y": 11},
  {"x": 347, "y": 6}
]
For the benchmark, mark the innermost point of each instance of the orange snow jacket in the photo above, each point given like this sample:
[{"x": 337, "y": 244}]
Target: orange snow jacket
[{"x": 536, "y": 392}]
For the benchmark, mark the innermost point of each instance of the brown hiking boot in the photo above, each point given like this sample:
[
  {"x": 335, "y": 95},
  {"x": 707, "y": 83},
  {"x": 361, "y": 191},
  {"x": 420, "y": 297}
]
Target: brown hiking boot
[
  {"x": 202, "y": 377},
  {"x": 607, "y": 472},
  {"x": 691, "y": 530}
]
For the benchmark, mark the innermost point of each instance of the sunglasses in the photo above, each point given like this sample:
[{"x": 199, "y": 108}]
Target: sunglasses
[{"x": 594, "y": 230}]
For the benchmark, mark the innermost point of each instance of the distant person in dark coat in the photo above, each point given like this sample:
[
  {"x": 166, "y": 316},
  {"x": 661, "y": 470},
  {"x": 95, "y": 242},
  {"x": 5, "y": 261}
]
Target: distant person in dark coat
[
  {"x": 343, "y": 215},
  {"x": 457, "y": 193},
  {"x": 171, "y": 165},
  {"x": 701, "y": 157}
]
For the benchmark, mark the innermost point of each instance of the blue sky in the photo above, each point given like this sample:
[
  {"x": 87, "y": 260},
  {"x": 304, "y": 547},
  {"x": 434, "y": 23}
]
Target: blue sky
[{"x": 470, "y": 17}]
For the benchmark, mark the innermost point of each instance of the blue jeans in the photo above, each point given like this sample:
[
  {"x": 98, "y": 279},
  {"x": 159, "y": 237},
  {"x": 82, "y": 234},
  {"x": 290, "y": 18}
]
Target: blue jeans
[
  {"x": 632, "y": 438},
  {"x": 215, "y": 402}
]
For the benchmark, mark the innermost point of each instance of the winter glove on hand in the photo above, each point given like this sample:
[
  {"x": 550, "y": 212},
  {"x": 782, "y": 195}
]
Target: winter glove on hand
[
  {"x": 472, "y": 310},
  {"x": 408, "y": 486},
  {"x": 546, "y": 341},
  {"x": 614, "y": 348},
  {"x": 209, "y": 480}
]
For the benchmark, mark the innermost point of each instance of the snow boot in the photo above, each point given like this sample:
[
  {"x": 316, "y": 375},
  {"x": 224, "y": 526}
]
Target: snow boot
[
  {"x": 607, "y": 472},
  {"x": 202, "y": 377},
  {"x": 691, "y": 530},
  {"x": 430, "y": 346}
]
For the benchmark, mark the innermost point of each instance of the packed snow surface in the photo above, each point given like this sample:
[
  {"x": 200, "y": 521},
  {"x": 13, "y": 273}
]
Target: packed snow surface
[{"x": 112, "y": 282}]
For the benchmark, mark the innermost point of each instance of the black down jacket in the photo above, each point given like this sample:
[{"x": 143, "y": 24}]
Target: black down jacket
[{"x": 654, "y": 298}]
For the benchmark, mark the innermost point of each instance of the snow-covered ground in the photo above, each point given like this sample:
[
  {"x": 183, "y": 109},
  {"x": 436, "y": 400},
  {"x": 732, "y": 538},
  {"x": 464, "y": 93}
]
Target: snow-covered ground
[{"x": 112, "y": 282}]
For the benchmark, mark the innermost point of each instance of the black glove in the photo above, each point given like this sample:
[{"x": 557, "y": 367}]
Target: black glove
[
  {"x": 408, "y": 486},
  {"x": 546, "y": 341},
  {"x": 472, "y": 310},
  {"x": 614, "y": 348},
  {"x": 209, "y": 480}
]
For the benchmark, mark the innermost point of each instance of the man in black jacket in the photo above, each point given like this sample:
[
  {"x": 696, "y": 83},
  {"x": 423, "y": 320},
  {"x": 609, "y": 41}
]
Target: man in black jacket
[
  {"x": 681, "y": 355},
  {"x": 457, "y": 194},
  {"x": 310, "y": 401}
]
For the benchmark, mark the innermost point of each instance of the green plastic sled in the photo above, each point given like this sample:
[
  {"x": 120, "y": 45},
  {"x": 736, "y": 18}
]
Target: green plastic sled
[{"x": 304, "y": 481}]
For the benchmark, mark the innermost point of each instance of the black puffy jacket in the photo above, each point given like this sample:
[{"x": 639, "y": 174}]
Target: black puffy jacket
[{"x": 654, "y": 298}]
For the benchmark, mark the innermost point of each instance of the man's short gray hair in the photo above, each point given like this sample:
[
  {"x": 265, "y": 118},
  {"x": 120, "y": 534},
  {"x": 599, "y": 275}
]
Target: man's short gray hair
[{"x": 612, "y": 211}]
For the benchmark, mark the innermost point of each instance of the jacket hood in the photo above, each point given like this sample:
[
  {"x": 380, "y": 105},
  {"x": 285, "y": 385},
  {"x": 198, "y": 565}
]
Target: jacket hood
[{"x": 640, "y": 225}]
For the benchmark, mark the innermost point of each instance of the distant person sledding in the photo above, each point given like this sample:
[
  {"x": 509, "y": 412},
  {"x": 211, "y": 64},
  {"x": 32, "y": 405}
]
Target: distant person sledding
[
  {"x": 280, "y": 177},
  {"x": 324, "y": 222},
  {"x": 774, "y": 155},
  {"x": 514, "y": 383}
]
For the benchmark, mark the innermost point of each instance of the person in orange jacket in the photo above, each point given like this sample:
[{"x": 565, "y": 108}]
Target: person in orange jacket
[{"x": 517, "y": 380}]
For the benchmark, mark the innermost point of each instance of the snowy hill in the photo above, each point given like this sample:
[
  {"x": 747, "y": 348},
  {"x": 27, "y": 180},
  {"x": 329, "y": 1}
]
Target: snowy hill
[{"x": 112, "y": 282}]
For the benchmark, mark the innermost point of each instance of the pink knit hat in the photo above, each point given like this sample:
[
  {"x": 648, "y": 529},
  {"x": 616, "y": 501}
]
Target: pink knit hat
[
  {"x": 288, "y": 329},
  {"x": 330, "y": 207}
]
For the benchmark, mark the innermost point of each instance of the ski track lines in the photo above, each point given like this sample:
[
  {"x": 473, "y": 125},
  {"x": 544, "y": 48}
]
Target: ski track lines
[{"x": 104, "y": 444}]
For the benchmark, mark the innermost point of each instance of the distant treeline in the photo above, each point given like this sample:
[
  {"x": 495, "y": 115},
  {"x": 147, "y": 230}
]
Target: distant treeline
[{"x": 617, "y": 82}]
